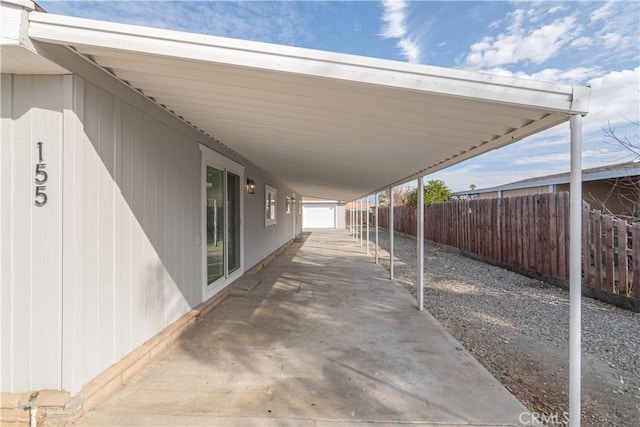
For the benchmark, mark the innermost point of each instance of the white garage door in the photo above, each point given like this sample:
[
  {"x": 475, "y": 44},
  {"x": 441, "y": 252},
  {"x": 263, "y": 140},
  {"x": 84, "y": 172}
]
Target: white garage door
[{"x": 319, "y": 215}]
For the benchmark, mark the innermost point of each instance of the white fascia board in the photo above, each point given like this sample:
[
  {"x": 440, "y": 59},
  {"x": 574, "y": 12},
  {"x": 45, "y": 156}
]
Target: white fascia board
[
  {"x": 26, "y": 4},
  {"x": 13, "y": 22},
  {"x": 197, "y": 47}
]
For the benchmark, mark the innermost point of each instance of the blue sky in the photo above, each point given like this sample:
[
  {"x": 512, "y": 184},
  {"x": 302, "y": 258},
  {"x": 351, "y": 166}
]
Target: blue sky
[{"x": 575, "y": 42}]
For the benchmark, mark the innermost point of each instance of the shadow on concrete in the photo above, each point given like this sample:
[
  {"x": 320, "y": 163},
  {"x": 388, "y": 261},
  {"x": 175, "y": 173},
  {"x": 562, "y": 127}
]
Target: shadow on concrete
[{"x": 325, "y": 338}]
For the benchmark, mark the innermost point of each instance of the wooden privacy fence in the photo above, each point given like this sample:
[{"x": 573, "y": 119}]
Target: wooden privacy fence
[{"x": 532, "y": 233}]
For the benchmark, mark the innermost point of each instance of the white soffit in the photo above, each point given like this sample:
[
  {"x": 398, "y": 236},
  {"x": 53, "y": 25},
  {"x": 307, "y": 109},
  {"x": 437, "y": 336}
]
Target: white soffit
[{"x": 329, "y": 125}]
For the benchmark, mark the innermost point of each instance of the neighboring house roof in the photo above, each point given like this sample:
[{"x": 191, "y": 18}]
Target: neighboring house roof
[
  {"x": 594, "y": 174},
  {"x": 327, "y": 124}
]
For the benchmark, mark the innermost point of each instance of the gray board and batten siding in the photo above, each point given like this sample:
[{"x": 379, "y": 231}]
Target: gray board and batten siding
[{"x": 115, "y": 255}]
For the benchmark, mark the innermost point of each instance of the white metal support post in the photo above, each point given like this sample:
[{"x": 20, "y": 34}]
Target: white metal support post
[
  {"x": 353, "y": 220},
  {"x": 420, "y": 243},
  {"x": 575, "y": 272},
  {"x": 391, "y": 233},
  {"x": 376, "y": 203},
  {"x": 353, "y": 204},
  {"x": 367, "y": 213},
  {"x": 360, "y": 222}
]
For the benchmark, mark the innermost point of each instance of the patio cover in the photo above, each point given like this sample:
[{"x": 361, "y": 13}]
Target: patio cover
[{"x": 329, "y": 125}]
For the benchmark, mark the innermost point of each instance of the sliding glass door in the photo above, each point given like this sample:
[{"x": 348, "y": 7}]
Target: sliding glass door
[
  {"x": 215, "y": 225},
  {"x": 233, "y": 222},
  {"x": 222, "y": 221}
]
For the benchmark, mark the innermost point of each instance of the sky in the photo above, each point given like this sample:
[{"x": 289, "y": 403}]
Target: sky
[{"x": 589, "y": 43}]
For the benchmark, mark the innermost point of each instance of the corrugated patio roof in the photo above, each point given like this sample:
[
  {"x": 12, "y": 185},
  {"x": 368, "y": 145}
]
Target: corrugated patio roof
[{"x": 329, "y": 125}]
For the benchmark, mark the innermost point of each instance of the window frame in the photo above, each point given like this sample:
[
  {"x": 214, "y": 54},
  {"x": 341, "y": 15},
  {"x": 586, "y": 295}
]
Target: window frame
[{"x": 271, "y": 206}]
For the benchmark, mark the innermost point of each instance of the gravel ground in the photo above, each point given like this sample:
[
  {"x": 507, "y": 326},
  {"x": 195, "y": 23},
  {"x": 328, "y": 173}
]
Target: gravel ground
[{"x": 518, "y": 328}]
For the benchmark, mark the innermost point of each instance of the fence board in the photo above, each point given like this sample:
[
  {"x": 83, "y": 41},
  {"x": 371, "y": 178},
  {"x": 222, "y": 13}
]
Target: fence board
[
  {"x": 513, "y": 259},
  {"x": 553, "y": 235},
  {"x": 597, "y": 248},
  {"x": 586, "y": 247},
  {"x": 517, "y": 227},
  {"x": 544, "y": 234},
  {"x": 562, "y": 211},
  {"x": 531, "y": 202},
  {"x": 623, "y": 260},
  {"x": 538, "y": 224},
  {"x": 635, "y": 246},
  {"x": 608, "y": 253},
  {"x": 532, "y": 232}
]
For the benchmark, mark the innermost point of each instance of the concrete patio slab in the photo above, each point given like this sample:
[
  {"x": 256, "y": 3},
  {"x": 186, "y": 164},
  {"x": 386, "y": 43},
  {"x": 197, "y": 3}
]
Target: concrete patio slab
[{"x": 325, "y": 339}]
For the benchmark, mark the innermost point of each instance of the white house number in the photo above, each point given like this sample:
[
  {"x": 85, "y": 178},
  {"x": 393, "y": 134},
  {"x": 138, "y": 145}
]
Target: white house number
[{"x": 41, "y": 178}]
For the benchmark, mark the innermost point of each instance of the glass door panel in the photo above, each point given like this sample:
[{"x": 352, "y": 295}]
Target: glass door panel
[
  {"x": 233, "y": 229},
  {"x": 215, "y": 224}
]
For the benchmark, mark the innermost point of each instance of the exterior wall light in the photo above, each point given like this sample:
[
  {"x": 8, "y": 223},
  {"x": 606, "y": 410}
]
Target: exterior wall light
[{"x": 251, "y": 186}]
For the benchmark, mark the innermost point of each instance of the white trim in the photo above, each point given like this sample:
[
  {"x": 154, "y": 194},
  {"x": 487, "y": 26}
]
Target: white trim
[
  {"x": 270, "y": 222},
  {"x": 215, "y": 159}
]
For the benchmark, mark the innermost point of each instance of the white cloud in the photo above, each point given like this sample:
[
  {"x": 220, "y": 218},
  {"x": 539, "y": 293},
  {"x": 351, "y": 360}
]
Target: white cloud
[
  {"x": 276, "y": 22},
  {"x": 555, "y": 75},
  {"x": 615, "y": 98},
  {"x": 611, "y": 40},
  {"x": 556, "y": 9},
  {"x": 545, "y": 158},
  {"x": 602, "y": 12},
  {"x": 582, "y": 42},
  {"x": 560, "y": 157},
  {"x": 572, "y": 75},
  {"x": 518, "y": 43},
  {"x": 394, "y": 17}
]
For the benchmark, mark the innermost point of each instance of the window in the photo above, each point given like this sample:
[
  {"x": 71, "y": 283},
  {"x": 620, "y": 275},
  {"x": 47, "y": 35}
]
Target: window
[
  {"x": 271, "y": 206},
  {"x": 288, "y": 208}
]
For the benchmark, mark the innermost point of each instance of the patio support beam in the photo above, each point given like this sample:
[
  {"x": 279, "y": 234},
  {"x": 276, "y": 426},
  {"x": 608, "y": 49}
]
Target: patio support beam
[
  {"x": 367, "y": 213},
  {"x": 420, "y": 243},
  {"x": 376, "y": 203},
  {"x": 391, "y": 232},
  {"x": 575, "y": 272}
]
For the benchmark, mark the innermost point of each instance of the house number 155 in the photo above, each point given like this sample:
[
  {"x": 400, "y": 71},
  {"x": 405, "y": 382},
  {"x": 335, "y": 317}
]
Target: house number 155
[{"x": 41, "y": 177}]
